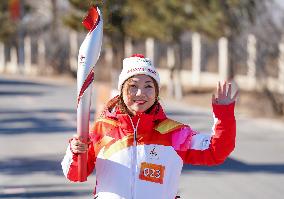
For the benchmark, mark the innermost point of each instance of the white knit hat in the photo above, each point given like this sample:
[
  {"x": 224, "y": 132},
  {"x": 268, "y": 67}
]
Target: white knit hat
[{"x": 135, "y": 65}]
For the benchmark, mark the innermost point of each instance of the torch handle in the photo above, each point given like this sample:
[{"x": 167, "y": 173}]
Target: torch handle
[
  {"x": 82, "y": 164},
  {"x": 83, "y": 118}
]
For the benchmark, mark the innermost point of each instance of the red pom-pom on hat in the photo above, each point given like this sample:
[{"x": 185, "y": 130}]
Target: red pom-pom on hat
[{"x": 138, "y": 55}]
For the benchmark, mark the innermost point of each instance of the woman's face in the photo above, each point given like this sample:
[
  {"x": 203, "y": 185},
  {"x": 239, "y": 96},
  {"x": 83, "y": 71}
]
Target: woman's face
[{"x": 139, "y": 93}]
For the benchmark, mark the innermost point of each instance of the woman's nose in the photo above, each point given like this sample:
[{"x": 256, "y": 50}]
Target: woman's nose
[{"x": 139, "y": 91}]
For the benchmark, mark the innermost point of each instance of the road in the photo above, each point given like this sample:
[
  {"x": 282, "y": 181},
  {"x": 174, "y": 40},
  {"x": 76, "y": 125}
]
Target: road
[{"x": 37, "y": 116}]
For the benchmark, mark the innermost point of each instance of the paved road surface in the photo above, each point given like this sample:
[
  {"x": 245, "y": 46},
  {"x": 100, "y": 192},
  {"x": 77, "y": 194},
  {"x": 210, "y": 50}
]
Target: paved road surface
[{"x": 37, "y": 118}]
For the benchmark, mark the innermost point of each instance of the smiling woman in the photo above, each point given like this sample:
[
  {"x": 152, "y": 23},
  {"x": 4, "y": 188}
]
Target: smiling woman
[
  {"x": 139, "y": 93},
  {"x": 137, "y": 151}
]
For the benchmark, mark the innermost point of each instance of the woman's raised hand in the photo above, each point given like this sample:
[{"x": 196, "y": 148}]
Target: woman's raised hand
[
  {"x": 224, "y": 94},
  {"x": 77, "y": 146}
]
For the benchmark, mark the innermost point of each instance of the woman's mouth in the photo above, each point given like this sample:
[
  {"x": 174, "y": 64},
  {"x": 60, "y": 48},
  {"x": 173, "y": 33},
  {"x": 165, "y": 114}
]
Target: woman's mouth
[{"x": 139, "y": 101}]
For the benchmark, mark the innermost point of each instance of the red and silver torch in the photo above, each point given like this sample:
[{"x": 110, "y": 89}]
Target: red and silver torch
[{"x": 89, "y": 53}]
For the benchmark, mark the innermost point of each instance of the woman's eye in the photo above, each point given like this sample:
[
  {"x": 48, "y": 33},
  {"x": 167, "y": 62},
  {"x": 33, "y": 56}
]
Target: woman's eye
[
  {"x": 132, "y": 86},
  {"x": 148, "y": 86}
]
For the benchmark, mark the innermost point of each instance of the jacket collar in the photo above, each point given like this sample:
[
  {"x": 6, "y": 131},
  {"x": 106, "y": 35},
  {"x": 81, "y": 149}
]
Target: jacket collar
[{"x": 146, "y": 121}]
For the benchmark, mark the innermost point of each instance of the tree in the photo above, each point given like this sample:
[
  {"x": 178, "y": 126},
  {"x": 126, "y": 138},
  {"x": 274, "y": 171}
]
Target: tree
[
  {"x": 136, "y": 19},
  {"x": 8, "y": 26},
  {"x": 11, "y": 14},
  {"x": 228, "y": 18},
  {"x": 268, "y": 51},
  {"x": 113, "y": 18},
  {"x": 12, "y": 30},
  {"x": 167, "y": 20},
  {"x": 164, "y": 20}
]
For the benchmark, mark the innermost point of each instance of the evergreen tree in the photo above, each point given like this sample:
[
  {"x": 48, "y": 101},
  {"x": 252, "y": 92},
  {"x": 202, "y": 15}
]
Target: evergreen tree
[
  {"x": 163, "y": 20},
  {"x": 228, "y": 18},
  {"x": 113, "y": 20},
  {"x": 166, "y": 20},
  {"x": 7, "y": 25}
]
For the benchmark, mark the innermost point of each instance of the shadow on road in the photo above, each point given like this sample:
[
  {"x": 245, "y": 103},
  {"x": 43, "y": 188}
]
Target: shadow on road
[
  {"x": 36, "y": 121},
  {"x": 233, "y": 165},
  {"x": 22, "y": 88},
  {"x": 38, "y": 186},
  {"x": 15, "y": 82},
  {"x": 13, "y": 111},
  {"x": 20, "y": 93},
  {"x": 47, "y": 194},
  {"x": 23, "y": 166}
]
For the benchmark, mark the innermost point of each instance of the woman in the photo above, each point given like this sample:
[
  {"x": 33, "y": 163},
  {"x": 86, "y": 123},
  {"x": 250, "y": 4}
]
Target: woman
[{"x": 137, "y": 151}]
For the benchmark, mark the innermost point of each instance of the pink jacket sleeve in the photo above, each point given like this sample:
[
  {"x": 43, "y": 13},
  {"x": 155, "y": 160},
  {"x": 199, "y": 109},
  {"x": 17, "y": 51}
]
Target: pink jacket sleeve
[{"x": 208, "y": 149}]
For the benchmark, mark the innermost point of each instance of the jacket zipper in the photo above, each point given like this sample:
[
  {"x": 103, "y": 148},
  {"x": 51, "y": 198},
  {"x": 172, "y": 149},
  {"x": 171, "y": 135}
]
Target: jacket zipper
[{"x": 134, "y": 157}]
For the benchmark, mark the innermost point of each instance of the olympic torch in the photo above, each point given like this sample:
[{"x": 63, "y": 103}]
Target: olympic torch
[{"x": 89, "y": 53}]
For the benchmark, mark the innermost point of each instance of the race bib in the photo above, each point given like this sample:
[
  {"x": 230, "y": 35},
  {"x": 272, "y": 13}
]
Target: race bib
[{"x": 152, "y": 172}]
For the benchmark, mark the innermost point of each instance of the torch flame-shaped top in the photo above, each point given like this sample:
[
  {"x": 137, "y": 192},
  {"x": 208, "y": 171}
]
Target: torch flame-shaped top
[{"x": 92, "y": 19}]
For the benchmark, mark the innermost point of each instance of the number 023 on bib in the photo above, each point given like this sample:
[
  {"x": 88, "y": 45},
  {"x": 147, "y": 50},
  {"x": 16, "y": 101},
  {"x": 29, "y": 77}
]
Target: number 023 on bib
[{"x": 152, "y": 172}]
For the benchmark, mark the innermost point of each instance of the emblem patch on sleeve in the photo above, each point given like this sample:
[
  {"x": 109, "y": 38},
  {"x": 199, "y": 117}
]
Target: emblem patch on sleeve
[{"x": 152, "y": 172}]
